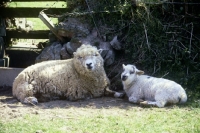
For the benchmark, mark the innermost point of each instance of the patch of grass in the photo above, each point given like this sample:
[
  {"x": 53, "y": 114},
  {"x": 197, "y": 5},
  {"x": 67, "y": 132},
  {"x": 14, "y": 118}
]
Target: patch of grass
[
  {"x": 38, "y": 4},
  {"x": 112, "y": 120},
  {"x": 39, "y": 25}
]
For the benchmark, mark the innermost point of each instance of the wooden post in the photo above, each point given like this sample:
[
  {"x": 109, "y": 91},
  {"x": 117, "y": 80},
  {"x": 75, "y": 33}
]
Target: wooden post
[{"x": 46, "y": 20}]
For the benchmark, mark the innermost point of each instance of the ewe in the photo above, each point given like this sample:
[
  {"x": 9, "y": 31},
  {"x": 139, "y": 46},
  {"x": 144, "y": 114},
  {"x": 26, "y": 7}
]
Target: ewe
[
  {"x": 81, "y": 77},
  {"x": 155, "y": 91}
]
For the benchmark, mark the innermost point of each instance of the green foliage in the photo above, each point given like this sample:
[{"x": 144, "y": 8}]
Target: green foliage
[{"x": 172, "y": 48}]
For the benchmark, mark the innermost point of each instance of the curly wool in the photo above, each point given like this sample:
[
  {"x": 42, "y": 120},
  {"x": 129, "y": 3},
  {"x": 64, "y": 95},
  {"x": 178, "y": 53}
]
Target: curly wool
[
  {"x": 68, "y": 79},
  {"x": 156, "y": 91}
]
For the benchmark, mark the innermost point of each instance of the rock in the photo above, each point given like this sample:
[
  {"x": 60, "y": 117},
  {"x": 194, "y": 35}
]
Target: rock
[
  {"x": 110, "y": 58},
  {"x": 65, "y": 33},
  {"x": 52, "y": 37},
  {"x": 73, "y": 27},
  {"x": 89, "y": 40},
  {"x": 104, "y": 46},
  {"x": 69, "y": 48},
  {"x": 51, "y": 52},
  {"x": 72, "y": 47},
  {"x": 103, "y": 52},
  {"x": 116, "y": 44},
  {"x": 80, "y": 33},
  {"x": 63, "y": 52},
  {"x": 56, "y": 51}
]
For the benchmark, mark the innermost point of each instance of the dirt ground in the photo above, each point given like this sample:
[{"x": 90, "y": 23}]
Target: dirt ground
[{"x": 11, "y": 108}]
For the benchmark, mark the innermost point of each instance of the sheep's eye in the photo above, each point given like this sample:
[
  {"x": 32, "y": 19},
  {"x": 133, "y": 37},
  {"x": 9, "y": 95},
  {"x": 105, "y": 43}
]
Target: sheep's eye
[
  {"x": 96, "y": 54},
  {"x": 80, "y": 57},
  {"x": 131, "y": 72}
]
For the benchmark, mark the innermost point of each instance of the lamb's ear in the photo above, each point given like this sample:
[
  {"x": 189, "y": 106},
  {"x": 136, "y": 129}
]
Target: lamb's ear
[
  {"x": 139, "y": 72},
  {"x": 123, "y": 65}
]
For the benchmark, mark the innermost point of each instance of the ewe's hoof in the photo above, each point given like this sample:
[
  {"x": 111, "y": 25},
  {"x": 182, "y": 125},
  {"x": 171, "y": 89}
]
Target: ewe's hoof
[{"x": 31, "y": 100}]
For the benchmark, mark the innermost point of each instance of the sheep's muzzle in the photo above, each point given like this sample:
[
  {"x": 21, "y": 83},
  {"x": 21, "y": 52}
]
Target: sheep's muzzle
[
  {"x": 124, "y": 77},
  {"x": 89, "y": 66}
]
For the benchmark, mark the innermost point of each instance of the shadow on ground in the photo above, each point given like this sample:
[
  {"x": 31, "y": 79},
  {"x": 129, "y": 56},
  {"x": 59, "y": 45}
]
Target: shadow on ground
[{"x": 103, "y": 102}]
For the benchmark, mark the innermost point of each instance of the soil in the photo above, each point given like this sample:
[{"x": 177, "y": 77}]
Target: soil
[{"x": 11, "y": 108}]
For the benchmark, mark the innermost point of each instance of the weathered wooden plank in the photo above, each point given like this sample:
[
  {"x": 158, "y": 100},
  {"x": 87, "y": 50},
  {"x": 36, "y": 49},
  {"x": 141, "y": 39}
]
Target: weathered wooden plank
[
  {"x": 39, "y": 34},
  {"x": 28, "y": 12},
  {"x": 46, "y": 20}
]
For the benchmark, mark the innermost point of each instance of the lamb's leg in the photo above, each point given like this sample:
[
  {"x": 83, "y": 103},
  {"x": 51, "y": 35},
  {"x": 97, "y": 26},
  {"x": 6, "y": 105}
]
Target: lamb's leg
[
  {"x": 119, "y": 94},
  {"x": 161, "y": 98},
  {"x": 159, "y": 104},
  {"x": 24, "y": 93},
  {"x": 145, "y": 103},
  {"x": 116, "y": 94},
  {"x": 133, "y": 99}
]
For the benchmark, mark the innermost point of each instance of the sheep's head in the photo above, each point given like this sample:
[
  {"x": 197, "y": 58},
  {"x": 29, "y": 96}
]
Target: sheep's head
[
  {"x": 87, "y": 59},
  {"x": 130, "y": 73}
]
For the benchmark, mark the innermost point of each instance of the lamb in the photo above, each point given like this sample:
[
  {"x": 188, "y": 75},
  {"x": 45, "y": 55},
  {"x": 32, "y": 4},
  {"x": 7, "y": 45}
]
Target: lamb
[
  {"x": 81, "y": 77},
  {"x": 155, "y": 91}
]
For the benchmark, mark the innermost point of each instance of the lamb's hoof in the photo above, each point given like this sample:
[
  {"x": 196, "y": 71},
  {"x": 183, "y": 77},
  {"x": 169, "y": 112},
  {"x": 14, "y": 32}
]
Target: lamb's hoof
[
  {"x": 141, "y": 100},
  {"x": 31, "y": 100},
  {"x": 144, "y": 103},
  {"x": 119, "y": 95}
]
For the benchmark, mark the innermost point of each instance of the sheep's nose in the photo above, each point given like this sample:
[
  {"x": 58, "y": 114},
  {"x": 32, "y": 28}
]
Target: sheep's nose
[
  {"x": 89, "y": 65},
  {"x": 124, "y": 77}
]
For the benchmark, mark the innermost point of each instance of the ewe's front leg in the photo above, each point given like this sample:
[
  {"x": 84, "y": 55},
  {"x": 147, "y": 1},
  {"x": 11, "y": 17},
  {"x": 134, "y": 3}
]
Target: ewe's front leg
[
  {"x": 31, "y": 100},
  {"x": 27, "y": 99},
  {"x": 24, "y": 93}
]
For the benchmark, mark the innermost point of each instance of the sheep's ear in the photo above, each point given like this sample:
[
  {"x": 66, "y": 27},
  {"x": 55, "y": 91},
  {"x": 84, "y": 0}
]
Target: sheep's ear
[
  {"x": 139, "y": 72},
  {"x": 100, "y": 50},
  {"x": 74, "y": 53},
  {"x": 123, "y": 65}
]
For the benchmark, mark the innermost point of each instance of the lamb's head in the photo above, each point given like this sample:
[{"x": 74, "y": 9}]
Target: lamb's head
[
  {"x": 130, "y": 73},
  {"x": 87, "y": 59}
]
